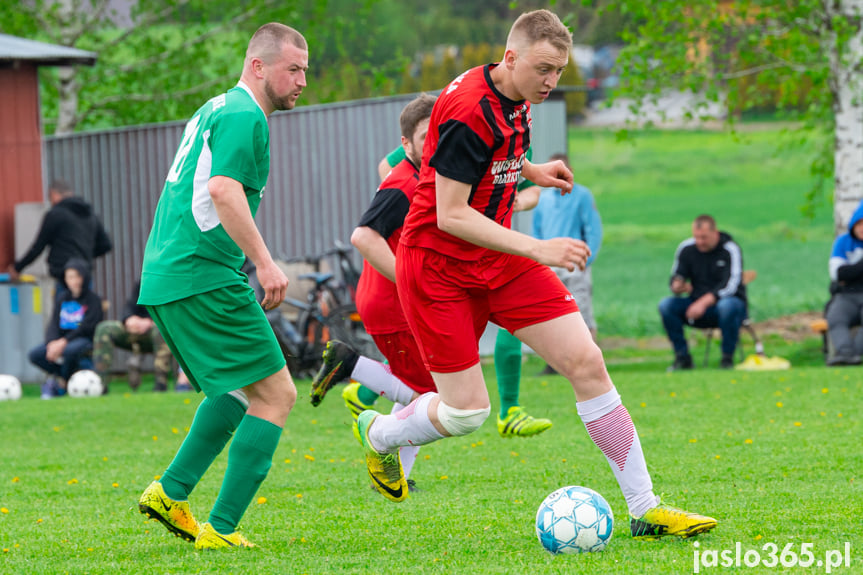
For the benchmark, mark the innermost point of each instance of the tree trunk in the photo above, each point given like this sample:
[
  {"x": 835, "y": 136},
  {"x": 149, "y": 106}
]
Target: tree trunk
[
  {"x": 67, "y": 113},
  {"x": 845, "y": 59}
]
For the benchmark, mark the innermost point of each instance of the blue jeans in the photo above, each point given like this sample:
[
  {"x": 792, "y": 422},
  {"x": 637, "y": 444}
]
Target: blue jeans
[
  {"x": 728, "y": 314},
  {"x": 74, "y": 358}
]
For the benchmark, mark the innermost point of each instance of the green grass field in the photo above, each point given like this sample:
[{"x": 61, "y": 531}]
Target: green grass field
[
  {"x": 774, "y": 456},
  {"x": 649, "y": 192}
]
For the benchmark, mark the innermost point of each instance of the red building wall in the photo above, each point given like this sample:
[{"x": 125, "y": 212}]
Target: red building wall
[{"x": 20, "y": 150}]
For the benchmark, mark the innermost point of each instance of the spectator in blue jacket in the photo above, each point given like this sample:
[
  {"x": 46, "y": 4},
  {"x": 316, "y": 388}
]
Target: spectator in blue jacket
[
  {"x": 707, "y": 283},
  {"x": 572, "y": 215},
  {"x": 69, "y": 336},
  {"x": 846, "y": 284}
]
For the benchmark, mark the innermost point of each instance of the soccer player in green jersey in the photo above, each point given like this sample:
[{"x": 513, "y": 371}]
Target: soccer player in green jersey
[{"x": 192, "y": 285}]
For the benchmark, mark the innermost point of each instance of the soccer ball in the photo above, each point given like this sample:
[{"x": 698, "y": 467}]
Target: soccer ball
[
  {"x": 10, "y": 388},
  {"x": 574, "y": 520},
  {"x": 84, "y": 383}
]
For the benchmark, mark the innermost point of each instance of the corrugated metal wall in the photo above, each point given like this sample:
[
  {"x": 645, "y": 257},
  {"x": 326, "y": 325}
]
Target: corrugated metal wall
[
  {"x": 20, "y": 150},
  {"x": 323, "y": 175}
]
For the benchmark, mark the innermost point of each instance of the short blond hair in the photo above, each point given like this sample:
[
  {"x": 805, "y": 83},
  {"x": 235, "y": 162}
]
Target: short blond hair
[
  {"x": 536, "y": 26},
  {"x": 269, "y": 39}
]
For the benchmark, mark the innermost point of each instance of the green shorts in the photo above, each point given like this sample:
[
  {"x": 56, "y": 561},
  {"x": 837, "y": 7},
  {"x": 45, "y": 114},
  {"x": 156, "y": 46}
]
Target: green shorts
[{"x": 221, "y": 338}]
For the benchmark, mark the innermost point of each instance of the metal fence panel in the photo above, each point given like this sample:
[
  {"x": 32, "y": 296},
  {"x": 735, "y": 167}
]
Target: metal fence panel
[{"x": 323, "y": 175}]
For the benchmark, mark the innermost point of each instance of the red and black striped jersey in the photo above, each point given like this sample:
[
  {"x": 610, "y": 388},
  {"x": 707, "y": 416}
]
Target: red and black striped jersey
[
  {"x": 476, "y": 136},
  {"x": 377, "y": 298}
]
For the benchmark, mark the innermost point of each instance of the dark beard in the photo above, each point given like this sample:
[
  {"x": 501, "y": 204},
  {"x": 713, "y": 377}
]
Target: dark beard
[{"x": 277, "y": 102}]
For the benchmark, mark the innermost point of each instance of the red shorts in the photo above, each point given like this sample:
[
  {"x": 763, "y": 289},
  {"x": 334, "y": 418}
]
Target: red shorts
[
  {"x": 448, "y": 302},
  {"x": 406, "y": 363}
]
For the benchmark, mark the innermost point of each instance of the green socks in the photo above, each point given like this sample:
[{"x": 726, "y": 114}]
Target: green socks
[
  {"x": 366, "y": 395},
  {"x": 214, "y": 423},
  {"x": 507, "y": 366},
  {"x": 249, "y": 459}
]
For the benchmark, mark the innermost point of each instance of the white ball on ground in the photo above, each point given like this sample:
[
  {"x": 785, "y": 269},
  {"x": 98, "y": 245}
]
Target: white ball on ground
[
  {"x": 84, "y": 383},
  {"x": 10, "y": 388},
  {"x": 574, "y": 520}
]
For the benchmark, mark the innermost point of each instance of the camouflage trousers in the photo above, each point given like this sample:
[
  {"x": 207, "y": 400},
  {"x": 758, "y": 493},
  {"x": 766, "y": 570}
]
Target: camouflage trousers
[{"x": 112, "y": 334}]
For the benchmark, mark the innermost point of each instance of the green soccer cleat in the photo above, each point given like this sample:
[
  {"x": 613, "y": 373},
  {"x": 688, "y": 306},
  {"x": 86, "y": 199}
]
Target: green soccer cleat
[
  {"x": 519, "y": 424},
  {"x": 209, "y": 538},
  {"x": 176, "y": 516},
  {"x": 385, "y": 469},
  {"x": 664, "y": 520},
  {"x": 352, "y": 400},
  {"x": 339, "y": 362}
]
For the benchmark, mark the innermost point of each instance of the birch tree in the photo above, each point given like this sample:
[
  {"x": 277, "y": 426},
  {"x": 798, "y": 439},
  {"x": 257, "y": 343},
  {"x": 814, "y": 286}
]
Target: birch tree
[{"x": 803, "y": 57}]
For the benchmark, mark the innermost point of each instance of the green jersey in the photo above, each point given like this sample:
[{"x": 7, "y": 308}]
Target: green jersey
[{"x": 189, "y": 252}]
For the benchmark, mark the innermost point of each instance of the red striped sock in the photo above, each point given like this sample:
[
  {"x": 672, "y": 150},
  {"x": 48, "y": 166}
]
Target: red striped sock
[{"x": 610, "y": 427}]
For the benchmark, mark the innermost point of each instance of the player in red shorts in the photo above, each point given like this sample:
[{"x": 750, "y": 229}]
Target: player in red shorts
[
  {"x": 376, "y": 238},
  {"x": 459, "y": 265}
]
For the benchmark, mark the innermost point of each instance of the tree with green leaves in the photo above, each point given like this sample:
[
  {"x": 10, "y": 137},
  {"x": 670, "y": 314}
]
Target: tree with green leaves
[
  {"x": 157, "y": 61},
  {"x": 802, "y": 57}
]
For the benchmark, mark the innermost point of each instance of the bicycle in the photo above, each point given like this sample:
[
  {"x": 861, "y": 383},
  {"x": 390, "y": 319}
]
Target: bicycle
[{"x": 328, "y": 312}]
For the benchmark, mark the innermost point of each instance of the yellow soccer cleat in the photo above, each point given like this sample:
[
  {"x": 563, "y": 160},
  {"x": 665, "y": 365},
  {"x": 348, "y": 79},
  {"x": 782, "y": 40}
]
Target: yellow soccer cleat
[
  {"x": 352, "y": 400},
  {"x": 176, "y": 516},
  {"x": 385, "y": 469},
  {"x": 209, "y": 538},
  {"x": 518, "y": 423},
  {"x": 664, "y": 520}
]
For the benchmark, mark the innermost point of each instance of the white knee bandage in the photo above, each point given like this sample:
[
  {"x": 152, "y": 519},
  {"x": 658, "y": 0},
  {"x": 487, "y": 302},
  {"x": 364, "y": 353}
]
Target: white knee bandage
[{"x": 460, "y": 421}]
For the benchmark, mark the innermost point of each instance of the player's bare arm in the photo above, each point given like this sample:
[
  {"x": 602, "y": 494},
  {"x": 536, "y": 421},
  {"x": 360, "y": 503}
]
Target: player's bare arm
[
  {"x": 549, "y": 175},
  {"x": 456, "y": 217},
  {"x": 236, "y": 217},
  {"x": 375, "y": 250},
  {"x": 526, "y": 199}
]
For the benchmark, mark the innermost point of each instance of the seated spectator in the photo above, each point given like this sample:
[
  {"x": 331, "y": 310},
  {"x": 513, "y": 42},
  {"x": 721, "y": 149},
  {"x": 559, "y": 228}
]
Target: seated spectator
[
  {"x": 69, "y": 337},
  {"x": 846, "y": 286},
  {"x": 707, "y": 282},
  {"x": 136, "y": 332}
]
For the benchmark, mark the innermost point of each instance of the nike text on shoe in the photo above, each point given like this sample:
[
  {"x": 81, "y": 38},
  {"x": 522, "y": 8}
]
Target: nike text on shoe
[{"x": 664, "y": 520}]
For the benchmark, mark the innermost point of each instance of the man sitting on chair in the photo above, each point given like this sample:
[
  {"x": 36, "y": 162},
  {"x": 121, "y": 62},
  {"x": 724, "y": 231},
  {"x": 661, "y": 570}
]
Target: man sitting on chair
[{"x": 707, "y": 282}]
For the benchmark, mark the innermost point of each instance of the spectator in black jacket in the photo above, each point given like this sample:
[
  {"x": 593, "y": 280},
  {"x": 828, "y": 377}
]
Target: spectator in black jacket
[
  {"x": 69, "y": 337},
  {"x": 70, "y": 229},
  {"x": 137, "y": 333},
  {"x": 707, "y": 282}
]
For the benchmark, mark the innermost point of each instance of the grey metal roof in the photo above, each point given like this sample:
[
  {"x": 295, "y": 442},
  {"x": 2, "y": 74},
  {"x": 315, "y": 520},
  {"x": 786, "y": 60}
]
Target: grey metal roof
[{"x": 13, "y": 48}]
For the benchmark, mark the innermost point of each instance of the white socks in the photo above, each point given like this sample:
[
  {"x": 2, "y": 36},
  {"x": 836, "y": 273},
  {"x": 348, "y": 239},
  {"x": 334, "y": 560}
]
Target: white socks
[
  {"x": 409, "y": 426},
  {"x": 407, "y": 453},
  {"x": 379, "y": 378},
  {"x": 611, "y": 429}
]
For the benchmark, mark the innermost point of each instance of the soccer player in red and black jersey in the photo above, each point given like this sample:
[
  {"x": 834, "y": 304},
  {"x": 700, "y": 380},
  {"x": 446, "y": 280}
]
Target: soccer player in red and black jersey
[
  {"x": 377, "y": 237},
  {"x": 460, "y": 265}
]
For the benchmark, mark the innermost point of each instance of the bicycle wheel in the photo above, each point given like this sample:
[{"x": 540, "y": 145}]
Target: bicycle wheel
[{"x": 345, "y": 325}]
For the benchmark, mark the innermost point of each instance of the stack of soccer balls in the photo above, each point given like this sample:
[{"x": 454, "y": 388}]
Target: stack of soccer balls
[
  {"x": 84, "y": 383},
  {"x": 574, "y": 520},
  {"x": 10, "y": 388}
]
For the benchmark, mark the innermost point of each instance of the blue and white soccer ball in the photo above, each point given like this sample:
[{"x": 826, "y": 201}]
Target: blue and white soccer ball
[
  {"x": 10, "y": 388},
  {"x": 574, "y": 520},
  {"x": 84, "y": 383}
]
